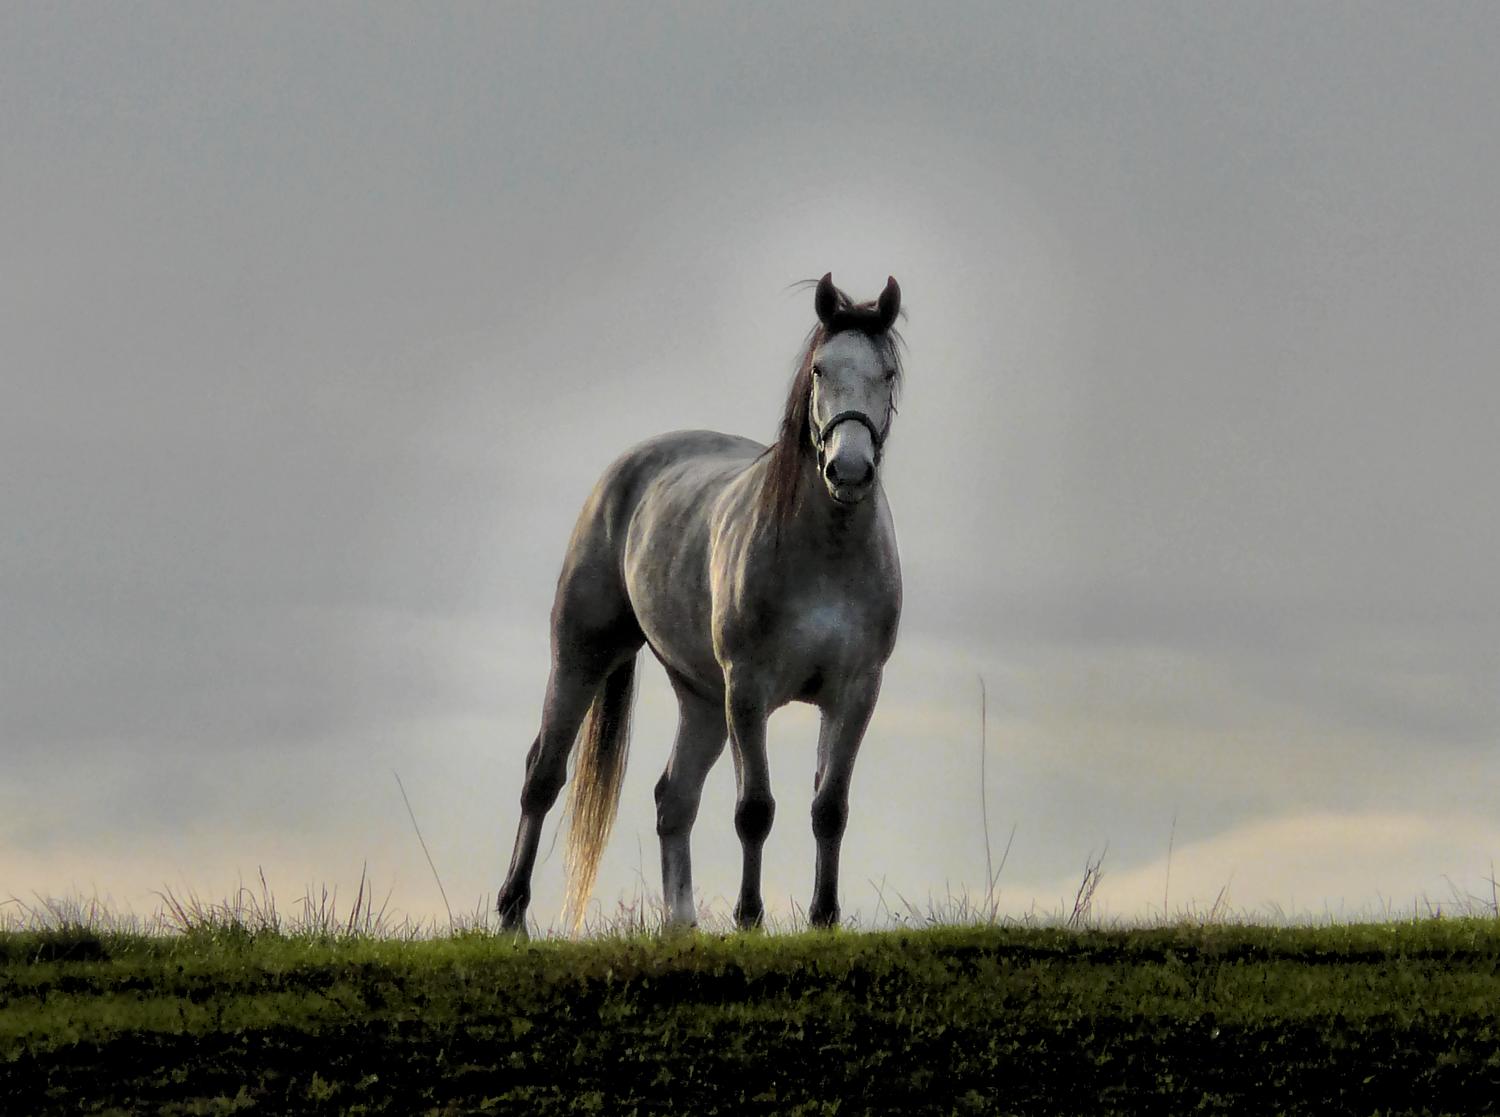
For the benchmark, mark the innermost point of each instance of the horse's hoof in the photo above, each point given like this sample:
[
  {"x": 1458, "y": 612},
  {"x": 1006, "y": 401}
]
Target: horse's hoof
[
  {"x": 512, "y": 912},
  {"x": 823, "y": 919},
  {"x": 749, "y": 920}
]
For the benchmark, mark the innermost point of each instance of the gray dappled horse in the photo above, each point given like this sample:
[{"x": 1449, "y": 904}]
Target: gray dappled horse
[{"x": 758, "y": 576}]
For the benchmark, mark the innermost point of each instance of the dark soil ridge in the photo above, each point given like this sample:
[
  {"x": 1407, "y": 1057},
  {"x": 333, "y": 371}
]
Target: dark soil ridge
[{"x": 976, "y": 1020}]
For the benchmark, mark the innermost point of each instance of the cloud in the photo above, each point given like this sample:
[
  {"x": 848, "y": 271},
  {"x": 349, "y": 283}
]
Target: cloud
[{"x": 1318, "y": 864}]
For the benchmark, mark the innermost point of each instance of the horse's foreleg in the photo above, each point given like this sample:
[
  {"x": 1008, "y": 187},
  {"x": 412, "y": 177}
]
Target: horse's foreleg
[
  {"x": 839, "y": 738},
  {"x": 754, "y": 808},
  {"x": 568, "y": 696},
  {"x": 700, "y": 742}
]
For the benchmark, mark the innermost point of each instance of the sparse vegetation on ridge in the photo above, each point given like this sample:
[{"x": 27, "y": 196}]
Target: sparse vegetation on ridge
[{"x": 225, "y": 1016}]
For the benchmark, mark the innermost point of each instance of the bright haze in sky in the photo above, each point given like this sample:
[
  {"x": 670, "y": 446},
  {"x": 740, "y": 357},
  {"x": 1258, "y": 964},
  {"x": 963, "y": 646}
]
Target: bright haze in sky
[{"x": 317, "y": 327}]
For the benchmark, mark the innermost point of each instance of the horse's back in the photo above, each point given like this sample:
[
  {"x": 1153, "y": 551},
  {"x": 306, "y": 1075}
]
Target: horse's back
[
  {"x": 689, "y": 461},
  {"x": 644, "y": 526}
]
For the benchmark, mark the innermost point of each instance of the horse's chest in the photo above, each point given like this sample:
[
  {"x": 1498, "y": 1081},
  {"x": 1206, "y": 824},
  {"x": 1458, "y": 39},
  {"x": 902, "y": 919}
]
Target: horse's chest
[
  {"x": 824, "y": 631},
  {"x": 804, "y": 625},
  {"x": 826, "y": 639}
]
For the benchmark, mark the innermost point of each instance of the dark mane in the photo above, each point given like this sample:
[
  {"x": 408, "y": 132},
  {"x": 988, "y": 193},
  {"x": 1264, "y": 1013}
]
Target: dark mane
[{"x": 793, "y": 445}]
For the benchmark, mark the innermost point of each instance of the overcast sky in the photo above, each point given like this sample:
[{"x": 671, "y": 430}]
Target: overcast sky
[{"x": 318, "y": 324}]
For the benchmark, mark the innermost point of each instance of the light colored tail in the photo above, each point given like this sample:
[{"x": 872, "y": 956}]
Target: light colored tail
[{"x": 594, "y": 798}]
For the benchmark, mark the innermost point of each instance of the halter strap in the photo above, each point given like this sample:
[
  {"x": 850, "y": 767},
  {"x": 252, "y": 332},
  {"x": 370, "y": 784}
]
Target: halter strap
[{"x": 820, "y": 435}]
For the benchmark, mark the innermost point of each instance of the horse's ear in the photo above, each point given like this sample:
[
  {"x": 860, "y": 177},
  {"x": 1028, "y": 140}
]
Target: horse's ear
[
  {"x": 890, "y": 303},
  {"x": 826, "y": 300}
]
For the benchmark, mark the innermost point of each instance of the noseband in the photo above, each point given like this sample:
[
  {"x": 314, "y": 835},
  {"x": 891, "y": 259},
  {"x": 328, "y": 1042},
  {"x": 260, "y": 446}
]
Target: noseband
[{"x": 820, "y": 435}]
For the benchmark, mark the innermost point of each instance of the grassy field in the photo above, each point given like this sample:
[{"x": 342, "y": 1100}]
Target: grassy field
[{"x": 1374, "y": 1019}]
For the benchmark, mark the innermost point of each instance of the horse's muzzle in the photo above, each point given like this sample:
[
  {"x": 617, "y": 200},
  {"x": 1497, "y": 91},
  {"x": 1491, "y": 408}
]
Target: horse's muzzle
[
  {"x": 849, "y": 486},
  {"x": 849, "y": 467}
]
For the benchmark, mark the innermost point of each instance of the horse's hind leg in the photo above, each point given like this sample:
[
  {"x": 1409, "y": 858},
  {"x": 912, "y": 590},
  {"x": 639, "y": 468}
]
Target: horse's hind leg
[
  {"x": 593, "y": 632},
  {"x": 701, "y": 732},
  {"x": 569, "y": 693}
]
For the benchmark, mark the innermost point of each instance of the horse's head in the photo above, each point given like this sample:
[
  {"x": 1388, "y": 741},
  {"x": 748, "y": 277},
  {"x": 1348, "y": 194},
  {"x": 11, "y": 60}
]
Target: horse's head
[{"x": 854, "y": 369}]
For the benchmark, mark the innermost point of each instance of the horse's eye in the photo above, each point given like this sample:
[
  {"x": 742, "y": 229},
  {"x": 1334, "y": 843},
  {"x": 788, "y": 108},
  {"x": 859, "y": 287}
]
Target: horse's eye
[
  {"x": 890, "y": 374},
  {"x": 817, "y": 370}
]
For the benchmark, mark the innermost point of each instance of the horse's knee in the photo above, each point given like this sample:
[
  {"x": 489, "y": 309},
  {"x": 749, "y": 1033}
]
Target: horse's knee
[
  {"x": 829, "y": 817},
  {"x": 753, "y": 816}
]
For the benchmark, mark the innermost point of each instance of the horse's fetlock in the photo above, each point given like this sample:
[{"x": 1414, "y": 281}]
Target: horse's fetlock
[
  {"x": 753, "y": 817},
  {"x": 829, "y": 817}
]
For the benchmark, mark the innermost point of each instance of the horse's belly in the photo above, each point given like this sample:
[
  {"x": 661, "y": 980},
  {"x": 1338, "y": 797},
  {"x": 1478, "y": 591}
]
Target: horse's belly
[
  {"x": 666, "y": 578},
  {"x": 678, "y": 633}
]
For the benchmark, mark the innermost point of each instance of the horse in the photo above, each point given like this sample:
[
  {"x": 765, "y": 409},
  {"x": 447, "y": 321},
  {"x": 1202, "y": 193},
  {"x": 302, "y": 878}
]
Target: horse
[{"x": 757, "y": 576}]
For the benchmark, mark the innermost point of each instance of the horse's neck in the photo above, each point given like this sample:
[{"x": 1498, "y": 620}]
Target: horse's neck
[{"x": 825, "y": 527}]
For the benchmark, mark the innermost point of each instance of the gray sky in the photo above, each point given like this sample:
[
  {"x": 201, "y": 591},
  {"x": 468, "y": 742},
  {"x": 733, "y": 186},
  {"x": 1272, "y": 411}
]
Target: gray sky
[{"x": 319, "y": 324}]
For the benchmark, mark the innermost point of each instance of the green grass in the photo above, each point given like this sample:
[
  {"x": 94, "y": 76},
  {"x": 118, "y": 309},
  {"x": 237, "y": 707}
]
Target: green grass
[{"x": 225, "y": 1017}]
